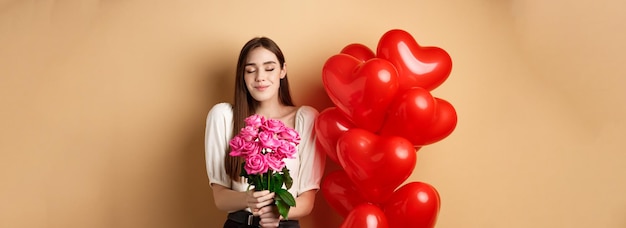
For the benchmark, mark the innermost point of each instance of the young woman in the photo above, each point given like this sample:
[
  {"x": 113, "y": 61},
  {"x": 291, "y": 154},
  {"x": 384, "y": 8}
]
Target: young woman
[{"x": 261, "y": 87}]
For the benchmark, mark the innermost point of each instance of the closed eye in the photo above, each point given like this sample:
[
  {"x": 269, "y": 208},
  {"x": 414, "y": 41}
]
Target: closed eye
[{"x": 250, "y": 69}]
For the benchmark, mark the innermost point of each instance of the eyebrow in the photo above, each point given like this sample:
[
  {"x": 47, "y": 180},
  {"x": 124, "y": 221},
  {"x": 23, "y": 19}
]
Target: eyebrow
[{"x": 265, "y": 63}]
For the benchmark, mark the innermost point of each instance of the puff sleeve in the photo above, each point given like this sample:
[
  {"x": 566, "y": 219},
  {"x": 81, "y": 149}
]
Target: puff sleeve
[
  {"x": 312, "y": 162},
  {"x": 219, "y": 124}
]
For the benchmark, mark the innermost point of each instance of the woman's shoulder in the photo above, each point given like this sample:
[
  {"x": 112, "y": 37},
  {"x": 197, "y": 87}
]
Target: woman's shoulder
[
  {"x": 307, "y": 112},
  {"x": 221, "y": 110},
  {"x": 222, "y": 106}
]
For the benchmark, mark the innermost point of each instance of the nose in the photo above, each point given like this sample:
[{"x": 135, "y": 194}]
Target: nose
[{"x": 260, "y": 76}]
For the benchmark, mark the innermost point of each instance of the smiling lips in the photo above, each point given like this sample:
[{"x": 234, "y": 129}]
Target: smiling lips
[{"x": 261, "y": 88}]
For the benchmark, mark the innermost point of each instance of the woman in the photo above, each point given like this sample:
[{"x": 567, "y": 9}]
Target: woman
[{"x": 261, "y": 87}]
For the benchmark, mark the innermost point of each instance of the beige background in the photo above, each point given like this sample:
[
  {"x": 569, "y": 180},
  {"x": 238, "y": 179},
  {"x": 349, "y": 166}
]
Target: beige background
[{"x": 103, "y": 105}]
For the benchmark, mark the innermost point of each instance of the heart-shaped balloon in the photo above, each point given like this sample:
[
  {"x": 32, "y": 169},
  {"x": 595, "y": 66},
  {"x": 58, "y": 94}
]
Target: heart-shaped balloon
[
  {"x": 330, "y": 124},
  {"x": 365, "y": 216},
  {"x": 359, "y": 51},
  {"x": 340, "y": 193},
  {"x": 426, "y": 67},
  {"x": 420, "y": 118},
  {"x": 444, "y": 123},
  {"x": 377, "y": 165},
  {"x": 415, "y": 204},
  {"x": 362, "y": 90},
  {"x": 414, "y": 107}
]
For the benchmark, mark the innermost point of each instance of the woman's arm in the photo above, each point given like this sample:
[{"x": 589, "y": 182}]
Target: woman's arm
[
  {"x": 227, "y": 199},
  {"x": 304, "y": 205}
]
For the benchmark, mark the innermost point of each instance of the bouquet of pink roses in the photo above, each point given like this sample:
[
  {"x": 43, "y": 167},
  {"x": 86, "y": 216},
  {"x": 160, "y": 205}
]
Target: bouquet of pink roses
[{"x": 264, "y": 144}]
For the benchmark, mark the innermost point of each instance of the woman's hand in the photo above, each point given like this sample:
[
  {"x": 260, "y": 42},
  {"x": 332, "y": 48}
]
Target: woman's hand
[
  {"x": 269, "y": 216},
  {"x": 257, "y": 200}
]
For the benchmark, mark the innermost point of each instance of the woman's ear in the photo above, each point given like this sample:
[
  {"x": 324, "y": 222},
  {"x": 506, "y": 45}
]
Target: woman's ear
[{"x": 283, "y": 71}]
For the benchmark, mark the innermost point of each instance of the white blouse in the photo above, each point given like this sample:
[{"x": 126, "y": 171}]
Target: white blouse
[{"x": 306, "y": 169}]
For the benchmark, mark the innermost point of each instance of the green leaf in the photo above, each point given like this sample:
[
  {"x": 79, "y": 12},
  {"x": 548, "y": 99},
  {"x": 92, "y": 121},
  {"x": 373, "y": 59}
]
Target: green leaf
[
  {"x": 286, "y": 197},
  {"x": 283, "y": 208},
  {"x": 277, "y": 182},
  {"x": 287, "y": 178}
]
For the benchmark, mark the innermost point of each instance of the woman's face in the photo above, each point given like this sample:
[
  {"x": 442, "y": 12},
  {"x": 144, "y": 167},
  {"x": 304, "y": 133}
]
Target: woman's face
[{"x": 262, "y": 74}]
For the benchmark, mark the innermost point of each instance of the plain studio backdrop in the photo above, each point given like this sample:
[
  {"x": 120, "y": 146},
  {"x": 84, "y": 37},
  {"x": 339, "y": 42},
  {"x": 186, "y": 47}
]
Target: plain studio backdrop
[{"x": 103, "y": 105}]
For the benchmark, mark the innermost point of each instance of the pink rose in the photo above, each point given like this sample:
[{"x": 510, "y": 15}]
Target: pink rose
[
  {"x": 287, "y": 149},
  {"x": 249, "y": 133},
  {"x": 272, "y": 125},
  {"x": 256, "y": 164},
  {"x": 275, "y": 161},
  {"x": 289, "y": 134},
  {"x": 255, "y": 121},
  {"x": 236, "y": 145},
  {"x": 236, "y": 142},
  {"x": 268, "y": 141},
  {"x": 250, "y": 148}
]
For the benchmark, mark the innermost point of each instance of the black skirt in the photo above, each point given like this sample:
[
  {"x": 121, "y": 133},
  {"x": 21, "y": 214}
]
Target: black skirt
[{"x": 244, "y": 219}]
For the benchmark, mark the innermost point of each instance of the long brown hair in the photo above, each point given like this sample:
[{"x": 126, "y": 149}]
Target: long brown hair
[{"x": 245, "y": 105}]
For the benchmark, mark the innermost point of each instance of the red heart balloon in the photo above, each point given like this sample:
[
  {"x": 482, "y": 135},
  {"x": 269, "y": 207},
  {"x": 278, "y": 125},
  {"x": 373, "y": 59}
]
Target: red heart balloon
[
  {"x": 420, "y": 118},
  {"x": 412, "y": 109},
  {"x": 330, "y": 124},
  {"x": 365, "y": 216},
  {"x": 340, "y": 193},
  {"x": 426, "y": 67},
  {"x": 415, "y": 205},
  {"x": 443, "y": 124},
  {"x": 362, "y": 90},
  {"x": 376, "y": 165},
  {"x": 359, "y": 51},
  {"x": 336, "y": 77}
]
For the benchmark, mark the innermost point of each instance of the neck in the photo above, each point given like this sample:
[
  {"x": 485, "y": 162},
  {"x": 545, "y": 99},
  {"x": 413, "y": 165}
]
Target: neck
[{"x": 271, "y": 110}]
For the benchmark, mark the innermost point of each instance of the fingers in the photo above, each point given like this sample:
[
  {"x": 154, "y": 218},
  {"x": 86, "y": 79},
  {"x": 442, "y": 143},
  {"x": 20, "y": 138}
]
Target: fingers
[
  {"x": 269, "y": 217},
  {"x": 263, "y": 195},
  {"x": 261, "y": 205},
  {"x": 260, "y": 199},
  {"x": 268, "y": 212}
]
